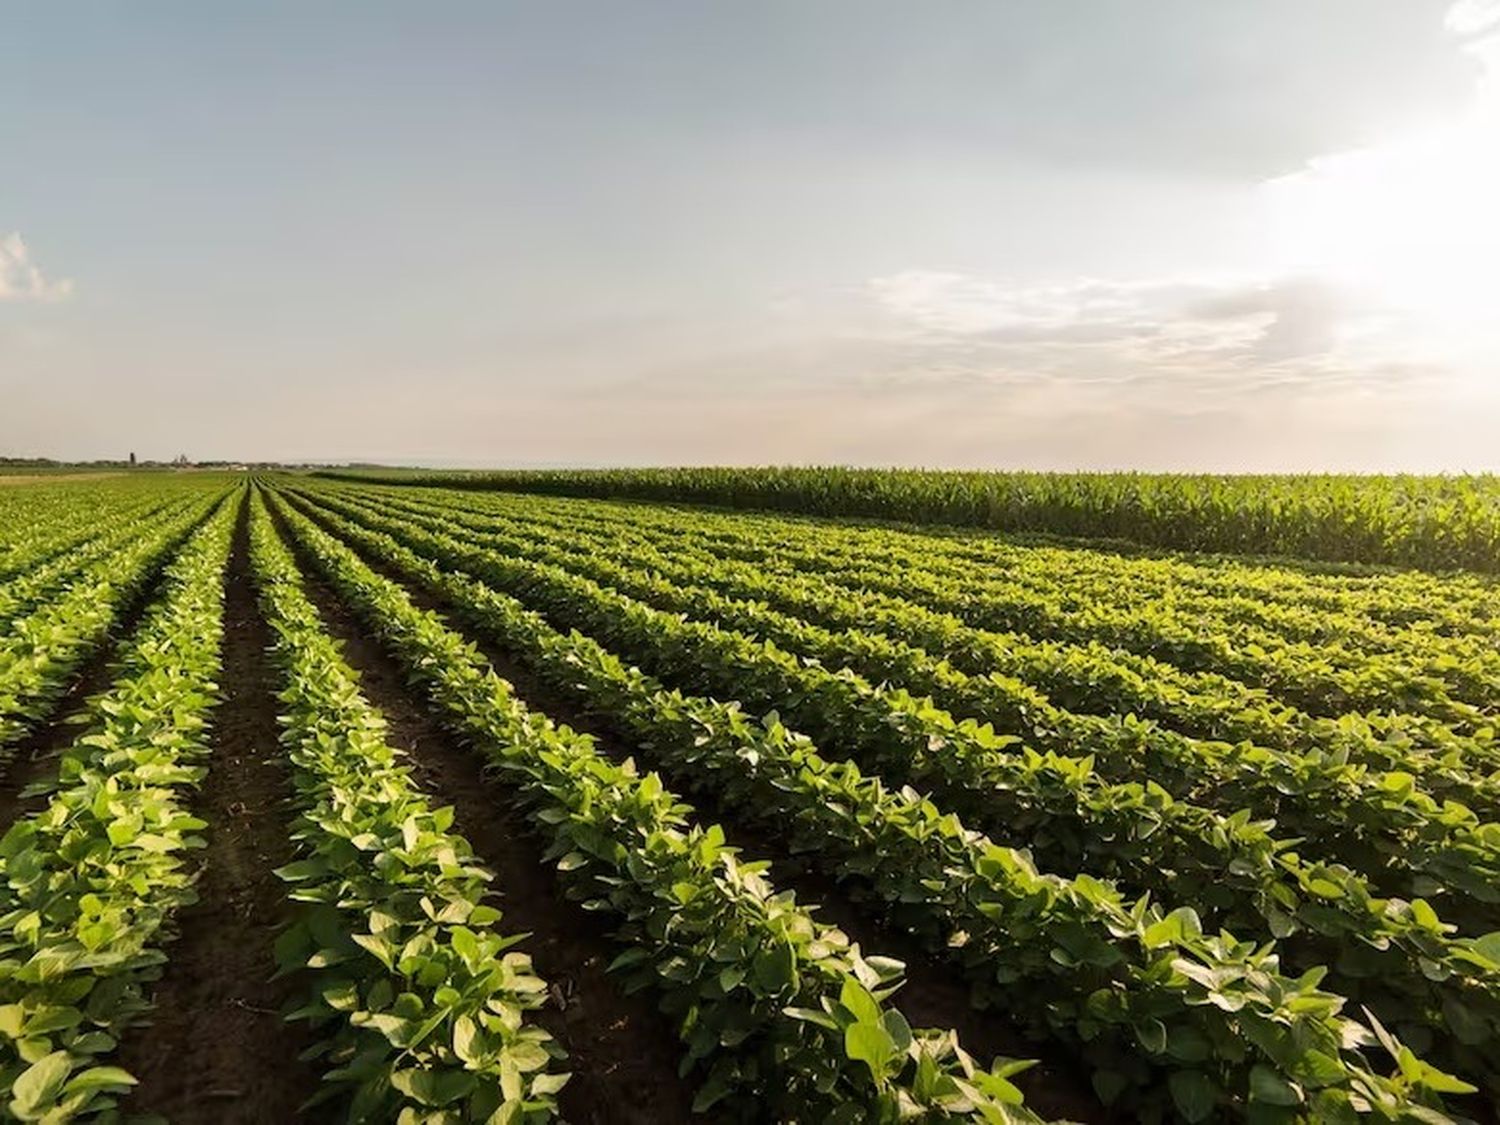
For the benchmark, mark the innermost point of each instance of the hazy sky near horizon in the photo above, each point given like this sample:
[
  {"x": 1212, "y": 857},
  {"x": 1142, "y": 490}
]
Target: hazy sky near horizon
[{"x": 1090, "y": 233}]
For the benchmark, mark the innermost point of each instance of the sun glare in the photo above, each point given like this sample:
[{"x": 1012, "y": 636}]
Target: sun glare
[{"x": 1413, "y": 223}]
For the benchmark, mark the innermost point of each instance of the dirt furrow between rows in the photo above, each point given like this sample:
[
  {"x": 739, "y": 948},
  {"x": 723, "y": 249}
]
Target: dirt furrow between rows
[{"x": 217, "y": 1049}]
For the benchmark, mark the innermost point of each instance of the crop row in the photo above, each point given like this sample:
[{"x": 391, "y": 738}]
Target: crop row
[
  {"x": 1058, "y": 805},
  {"x": 1316, "y": 792},
  {"x": 1420, "y": 521},
  {"x": 1091, "y": 678},
  {"x": 88, "y": 885},
  {"x": 1450, "y": 605},
  {"x": 1399, "y": 957},
  {"x": 36, "y": 529},
  {"x": 779, "y": 1013},
  {"x": 1155, "y": 1000},
  {"x": 40, "y": 651},
  {"x": 1036, "y": 593},
  {"x": 1450, "y": 679},
  {"x": 1104, "y": 580},
  {"x": 47, "y": 579},
  {"x": 1094, "y": 676},
  {"x": 422, "y": 1002}
]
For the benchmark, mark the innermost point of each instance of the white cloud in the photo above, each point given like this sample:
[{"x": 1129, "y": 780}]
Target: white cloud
[
  {"x": 1209, "y": 334},
  {"x": 1473, "y": 17},
  {"x": 21, "y": 279},
  {"x": 1377, "y": 275}
]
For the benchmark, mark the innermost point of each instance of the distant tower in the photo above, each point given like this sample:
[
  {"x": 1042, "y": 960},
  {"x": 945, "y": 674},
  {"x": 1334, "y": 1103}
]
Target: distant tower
[{"x": 132, "y": 460}]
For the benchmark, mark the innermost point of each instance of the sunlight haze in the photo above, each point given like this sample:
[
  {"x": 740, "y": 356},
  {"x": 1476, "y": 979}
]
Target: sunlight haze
[{"x": 1001, "y": 235}]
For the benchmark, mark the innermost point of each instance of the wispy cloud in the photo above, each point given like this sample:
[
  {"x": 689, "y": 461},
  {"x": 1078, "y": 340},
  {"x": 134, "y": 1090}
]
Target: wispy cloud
[
  {"x": 1238, "y": 334},
  {"x": 21, "y": 279}
]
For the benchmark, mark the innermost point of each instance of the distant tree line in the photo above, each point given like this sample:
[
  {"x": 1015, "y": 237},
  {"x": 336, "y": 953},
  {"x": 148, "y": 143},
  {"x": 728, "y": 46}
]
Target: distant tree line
[{"x": 181, "y": 461}]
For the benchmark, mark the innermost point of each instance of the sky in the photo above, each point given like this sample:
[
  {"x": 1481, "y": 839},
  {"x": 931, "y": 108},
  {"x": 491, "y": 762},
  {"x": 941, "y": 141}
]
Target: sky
[{"x": 1083, "y": 234}]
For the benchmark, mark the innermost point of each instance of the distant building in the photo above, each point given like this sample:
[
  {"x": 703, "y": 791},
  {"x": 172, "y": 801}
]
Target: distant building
[{"x": 132, "y": 460}]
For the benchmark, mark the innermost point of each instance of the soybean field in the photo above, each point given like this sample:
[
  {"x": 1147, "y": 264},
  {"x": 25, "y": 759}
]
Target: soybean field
[{"x": 384, "y": 800}]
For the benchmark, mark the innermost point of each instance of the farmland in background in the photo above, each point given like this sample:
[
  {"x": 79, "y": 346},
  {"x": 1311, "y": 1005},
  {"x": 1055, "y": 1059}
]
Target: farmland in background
[
  {"x": 766, "y": 795},
  {"x": 1437, "y": 523}
]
